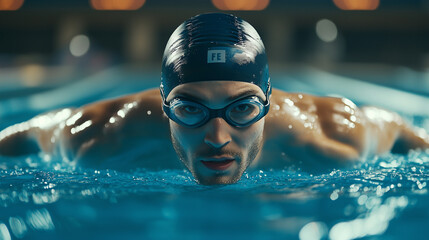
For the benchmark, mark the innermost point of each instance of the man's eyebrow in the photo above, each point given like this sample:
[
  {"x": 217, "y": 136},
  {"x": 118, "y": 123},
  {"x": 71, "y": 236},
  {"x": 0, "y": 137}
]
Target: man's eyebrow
[
  {"x": 189, "y": 96},
  {"x": 249, "y": 92}
]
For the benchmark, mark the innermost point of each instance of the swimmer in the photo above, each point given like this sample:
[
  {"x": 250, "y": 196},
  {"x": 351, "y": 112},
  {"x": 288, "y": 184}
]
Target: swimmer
[{"x": 216, "y": 112}]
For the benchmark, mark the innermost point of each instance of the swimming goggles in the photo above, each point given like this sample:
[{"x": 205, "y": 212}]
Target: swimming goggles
[{"x": 240, "y": 113}]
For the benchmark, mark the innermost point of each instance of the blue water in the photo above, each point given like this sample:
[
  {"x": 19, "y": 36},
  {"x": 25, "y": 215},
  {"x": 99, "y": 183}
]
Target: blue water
[{"x": 42, "y": 198}]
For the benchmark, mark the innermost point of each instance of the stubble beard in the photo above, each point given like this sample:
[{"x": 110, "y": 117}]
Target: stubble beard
[{"x": 254, "y": 151}]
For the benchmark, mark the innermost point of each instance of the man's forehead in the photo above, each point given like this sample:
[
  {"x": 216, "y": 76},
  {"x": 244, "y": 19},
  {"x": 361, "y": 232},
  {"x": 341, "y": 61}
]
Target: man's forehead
[{"x": 218, "y": 91}]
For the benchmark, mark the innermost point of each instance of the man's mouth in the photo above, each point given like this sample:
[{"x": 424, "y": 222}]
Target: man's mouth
[{"x": 218, "y": 164}]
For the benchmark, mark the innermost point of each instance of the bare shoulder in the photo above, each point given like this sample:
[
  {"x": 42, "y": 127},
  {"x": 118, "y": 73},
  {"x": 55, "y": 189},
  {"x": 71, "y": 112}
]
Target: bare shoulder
[
  {"x": 141, "y": 107},
  {"x": 108, "y": 127},
  {"x": 291, "y": 113},
  {"x": 316, "y": 114},
  {"x": 312, "y": 127}
]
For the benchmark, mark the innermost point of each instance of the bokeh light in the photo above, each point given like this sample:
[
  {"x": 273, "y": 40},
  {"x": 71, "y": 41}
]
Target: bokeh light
[
  {"x": 33, "y": 75},
  {"x": 313, "y": 231},
  {"x": 10, "y": 5},
  {"x": 4, "y": 232},
  {"x": 357, "y": 4},
  {"x": 241, "y": 5},
  {"x": 117, "y": 4},
  {"x": 18, "y": 227},
  {"x": 326, "y": 30},
  {"x": 79, "y": 45}
]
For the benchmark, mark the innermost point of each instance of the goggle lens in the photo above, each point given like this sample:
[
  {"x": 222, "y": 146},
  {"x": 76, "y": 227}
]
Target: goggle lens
[
  {"x": 188, "y": 113},
  {"x": 243, "y": 113}
]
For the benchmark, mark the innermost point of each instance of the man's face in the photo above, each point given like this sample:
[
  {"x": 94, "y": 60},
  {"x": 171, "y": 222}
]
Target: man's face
[{"x": 216, "y": 152}]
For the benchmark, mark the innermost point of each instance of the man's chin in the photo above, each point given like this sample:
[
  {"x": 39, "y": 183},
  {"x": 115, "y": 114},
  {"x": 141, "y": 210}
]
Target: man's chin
[{"x": 216, "y": 180}]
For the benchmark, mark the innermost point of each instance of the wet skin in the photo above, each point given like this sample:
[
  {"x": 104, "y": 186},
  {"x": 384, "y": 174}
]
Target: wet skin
[{"x": 313, "y": 132}]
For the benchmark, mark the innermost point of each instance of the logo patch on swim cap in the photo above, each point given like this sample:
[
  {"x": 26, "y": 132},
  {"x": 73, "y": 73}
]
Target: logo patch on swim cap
[{"x": 216, "y": 56}]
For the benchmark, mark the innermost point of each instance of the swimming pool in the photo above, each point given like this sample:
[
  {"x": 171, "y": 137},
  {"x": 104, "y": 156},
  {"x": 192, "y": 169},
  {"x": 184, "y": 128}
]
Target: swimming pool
[{"x": 42, "y": 198}]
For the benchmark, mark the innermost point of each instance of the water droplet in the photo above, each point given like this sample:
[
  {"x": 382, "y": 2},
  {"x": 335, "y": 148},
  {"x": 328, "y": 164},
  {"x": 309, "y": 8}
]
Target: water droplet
[
  {"x": 362, "y": 199},
  {"x": 334, "y": 195}
]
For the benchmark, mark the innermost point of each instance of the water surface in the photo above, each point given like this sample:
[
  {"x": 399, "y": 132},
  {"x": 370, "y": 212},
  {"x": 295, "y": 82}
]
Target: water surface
[{"x": 385, "y": 197}]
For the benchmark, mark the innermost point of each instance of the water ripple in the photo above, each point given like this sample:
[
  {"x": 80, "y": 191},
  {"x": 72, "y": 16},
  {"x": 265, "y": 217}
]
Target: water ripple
[{"x": 369, "y": 199}]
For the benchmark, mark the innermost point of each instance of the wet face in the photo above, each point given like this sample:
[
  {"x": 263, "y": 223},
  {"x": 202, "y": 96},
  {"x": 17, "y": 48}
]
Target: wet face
[{"x": 216, "y": 152}]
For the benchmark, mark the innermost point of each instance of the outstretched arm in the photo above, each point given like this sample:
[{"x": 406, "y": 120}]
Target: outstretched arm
[
  {"x": 389, "y": 132},
  {"x": 379, "y": 131},
  {"x": 31, "y": 136},
  {"x": 17, "y": 140}
]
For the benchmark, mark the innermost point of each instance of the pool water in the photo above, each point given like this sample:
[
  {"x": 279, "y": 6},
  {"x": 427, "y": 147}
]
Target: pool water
[{"x": 385, "y": 197}]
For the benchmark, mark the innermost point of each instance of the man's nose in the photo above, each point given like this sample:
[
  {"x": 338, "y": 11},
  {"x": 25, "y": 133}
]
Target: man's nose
[{"x": 217, "y": 134}]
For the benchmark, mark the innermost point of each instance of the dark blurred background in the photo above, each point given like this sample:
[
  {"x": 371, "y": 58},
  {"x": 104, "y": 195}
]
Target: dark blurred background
[{"x": 49, "y": 41}]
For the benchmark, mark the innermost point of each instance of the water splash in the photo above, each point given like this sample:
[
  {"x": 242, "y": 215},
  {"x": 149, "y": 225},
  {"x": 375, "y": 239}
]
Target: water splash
[{"x": 38, "y": 193}]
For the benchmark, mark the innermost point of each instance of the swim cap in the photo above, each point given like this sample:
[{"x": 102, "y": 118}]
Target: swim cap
[{"x": 213, "y": 47}]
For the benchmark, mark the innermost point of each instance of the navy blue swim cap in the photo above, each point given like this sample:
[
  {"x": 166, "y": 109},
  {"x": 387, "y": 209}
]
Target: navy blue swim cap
[{"x": 214, "y": 47}]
